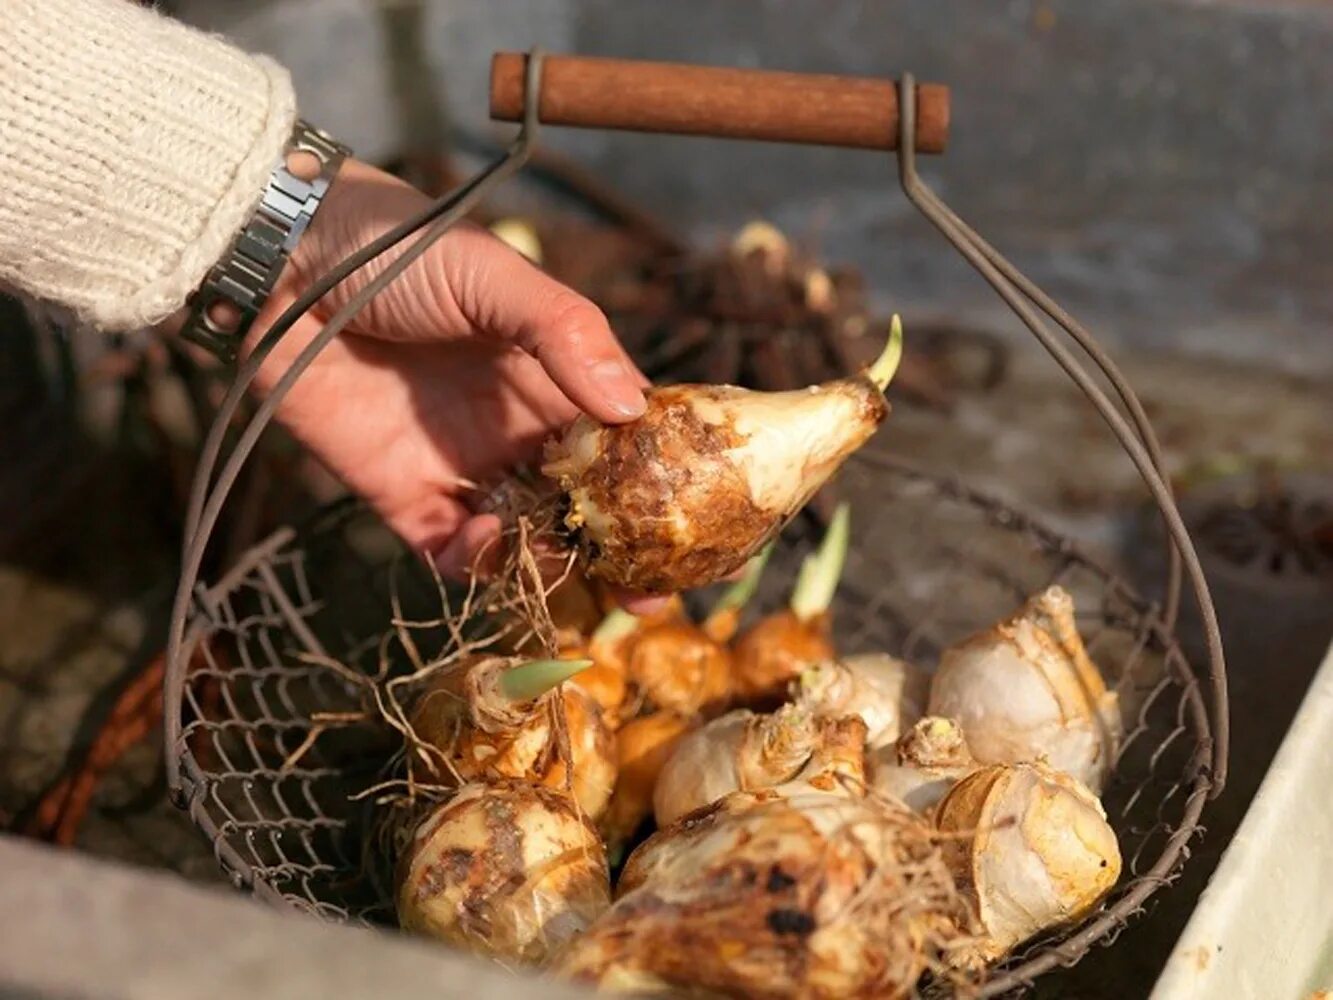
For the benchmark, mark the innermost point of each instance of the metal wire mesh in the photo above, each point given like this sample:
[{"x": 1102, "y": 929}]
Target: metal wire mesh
[{"x": 272, "y": 770}]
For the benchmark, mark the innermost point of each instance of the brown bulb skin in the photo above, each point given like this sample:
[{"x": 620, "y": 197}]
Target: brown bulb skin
[
  {"x": 505, "y": 869},
  {"x": 774, "y": 651},
  {"x": 686, "y": 494},
  {"x": 678, "y": 668}
]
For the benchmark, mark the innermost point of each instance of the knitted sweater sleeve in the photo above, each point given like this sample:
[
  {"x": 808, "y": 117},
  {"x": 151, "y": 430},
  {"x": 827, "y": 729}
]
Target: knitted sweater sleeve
[{"x": 132, "y": 149}]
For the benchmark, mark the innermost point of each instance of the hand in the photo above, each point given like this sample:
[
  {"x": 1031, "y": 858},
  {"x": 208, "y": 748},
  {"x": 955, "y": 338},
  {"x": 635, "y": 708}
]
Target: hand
[{"x": 458, "y": 370}]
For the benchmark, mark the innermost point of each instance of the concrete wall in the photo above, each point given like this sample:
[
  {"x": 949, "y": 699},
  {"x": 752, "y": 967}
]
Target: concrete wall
[{"x": 1163, "y": 167}]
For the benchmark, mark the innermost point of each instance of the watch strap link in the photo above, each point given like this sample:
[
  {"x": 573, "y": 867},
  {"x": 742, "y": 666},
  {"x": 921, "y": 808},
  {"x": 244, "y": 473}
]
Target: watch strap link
[{"x": 245, "y": 277}]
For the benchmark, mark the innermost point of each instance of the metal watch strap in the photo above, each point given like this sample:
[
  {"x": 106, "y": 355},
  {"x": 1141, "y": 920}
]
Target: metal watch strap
[{"x": 246, "y": 275}]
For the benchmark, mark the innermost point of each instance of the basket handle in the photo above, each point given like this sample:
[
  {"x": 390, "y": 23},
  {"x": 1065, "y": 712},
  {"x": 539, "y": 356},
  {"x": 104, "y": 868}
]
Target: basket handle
[{"x": 638, "y": 96}]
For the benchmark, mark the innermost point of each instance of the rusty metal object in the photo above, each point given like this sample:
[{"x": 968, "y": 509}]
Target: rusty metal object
[
  {"x": 134, "y": 716},
  {"x": 137, "y": 712}
]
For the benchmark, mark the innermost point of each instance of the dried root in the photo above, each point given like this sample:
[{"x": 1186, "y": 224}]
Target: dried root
[{"x": 489, "y": 807}]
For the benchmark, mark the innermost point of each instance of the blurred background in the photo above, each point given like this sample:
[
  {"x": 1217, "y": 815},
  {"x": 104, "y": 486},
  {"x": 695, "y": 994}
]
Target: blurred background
[{"x": 1162, "y": 167}]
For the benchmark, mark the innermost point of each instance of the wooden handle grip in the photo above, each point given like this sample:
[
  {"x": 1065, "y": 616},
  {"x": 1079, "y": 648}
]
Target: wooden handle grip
[{"x": 586, "y": 92}]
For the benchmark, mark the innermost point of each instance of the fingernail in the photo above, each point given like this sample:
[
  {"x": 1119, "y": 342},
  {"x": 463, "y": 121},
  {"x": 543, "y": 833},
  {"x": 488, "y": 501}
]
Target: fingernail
[
  {"x": 640, "y": 604},
  {"x": 619, "y": 387}
]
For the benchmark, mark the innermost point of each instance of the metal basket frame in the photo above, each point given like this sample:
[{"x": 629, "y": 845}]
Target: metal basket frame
[{"x": 1205, "y": 771}]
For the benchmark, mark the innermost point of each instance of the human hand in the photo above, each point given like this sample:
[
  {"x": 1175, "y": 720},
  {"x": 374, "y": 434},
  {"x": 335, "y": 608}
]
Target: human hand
[{"x": 456, "y": 371}]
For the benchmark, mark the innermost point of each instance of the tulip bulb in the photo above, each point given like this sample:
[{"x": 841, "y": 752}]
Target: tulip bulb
[
  {"x": 606, "y": 681},
  {"x": 1025, "y": 690},
  {"x": 603, "y": 683},
  {"x": 590, "y": 773},
  {"x": 1035, "y": 851},
  {"x": 776, "y": 650},
  {"x": 779, "y": 647},
  {"x": 498, "y": 717},
  {"x": 678, "y": 668},
  {"x": 507, "y": 869},
  {"x": 743, "y": 751},
  {"x": 740, "y": 750},
  {"x": 782, "y": 892},
  {"x": 927, "y": 761},
  {"x": 686, "y": 494},
  {"x": 887, "y": 693}
]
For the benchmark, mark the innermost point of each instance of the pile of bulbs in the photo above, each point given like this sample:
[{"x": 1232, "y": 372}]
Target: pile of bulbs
[
  {"x": 817, "y": 824},
  {"x": 674, "y": 726}
]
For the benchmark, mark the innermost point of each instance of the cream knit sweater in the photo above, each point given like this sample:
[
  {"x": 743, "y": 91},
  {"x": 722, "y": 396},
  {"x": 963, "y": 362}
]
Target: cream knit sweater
[{"x": 132, "y": 149}]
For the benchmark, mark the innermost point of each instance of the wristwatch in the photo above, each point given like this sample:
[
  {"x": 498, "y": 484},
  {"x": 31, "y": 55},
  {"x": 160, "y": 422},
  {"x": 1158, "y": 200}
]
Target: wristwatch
[{"x": 247, "y": 273}]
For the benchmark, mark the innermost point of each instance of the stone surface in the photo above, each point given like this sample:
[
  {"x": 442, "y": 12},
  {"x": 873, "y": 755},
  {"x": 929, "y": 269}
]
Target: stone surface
[
  {"x": 86, "y": 563},
  {"x": 71, "y": 926},
  {"x": 1161, "y": 166}
]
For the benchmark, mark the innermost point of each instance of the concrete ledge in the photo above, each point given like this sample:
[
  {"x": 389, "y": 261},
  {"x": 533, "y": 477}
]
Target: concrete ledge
[{"x": 71, "y": 926}]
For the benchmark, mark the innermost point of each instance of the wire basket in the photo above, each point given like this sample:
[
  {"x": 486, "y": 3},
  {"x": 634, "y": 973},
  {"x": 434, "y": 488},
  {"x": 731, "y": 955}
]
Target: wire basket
[{"x": 272, "y": 755}]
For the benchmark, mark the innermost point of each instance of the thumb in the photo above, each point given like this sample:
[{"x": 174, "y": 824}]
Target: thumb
[{"x": 470, "y": 283}]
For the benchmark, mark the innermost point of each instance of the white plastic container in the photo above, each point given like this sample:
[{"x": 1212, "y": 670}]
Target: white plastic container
[{"x": 1263, "y": 928}]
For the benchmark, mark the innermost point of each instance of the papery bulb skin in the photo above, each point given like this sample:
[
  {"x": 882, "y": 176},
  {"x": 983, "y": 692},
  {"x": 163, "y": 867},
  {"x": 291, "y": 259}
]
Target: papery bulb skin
[
  {"x": 609, "y": 646},
  {"x": 925, "y": 763},
  {"x": 686, "y": 494},
  {"x": 467, "y": 729},
  {"x": 591, "y": 778},
  {"x": 887, "y": 693},
  {"x": 605, "y": 681},
  {"x": 505, "y": 869},
  {"x": 743, "y": 751},
  {"x": 740, "y": 750},
  {"x": 1025, "y": 690},
  {"x": 1032, "y": 847},
  {"x": 604, "y": 684}
]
